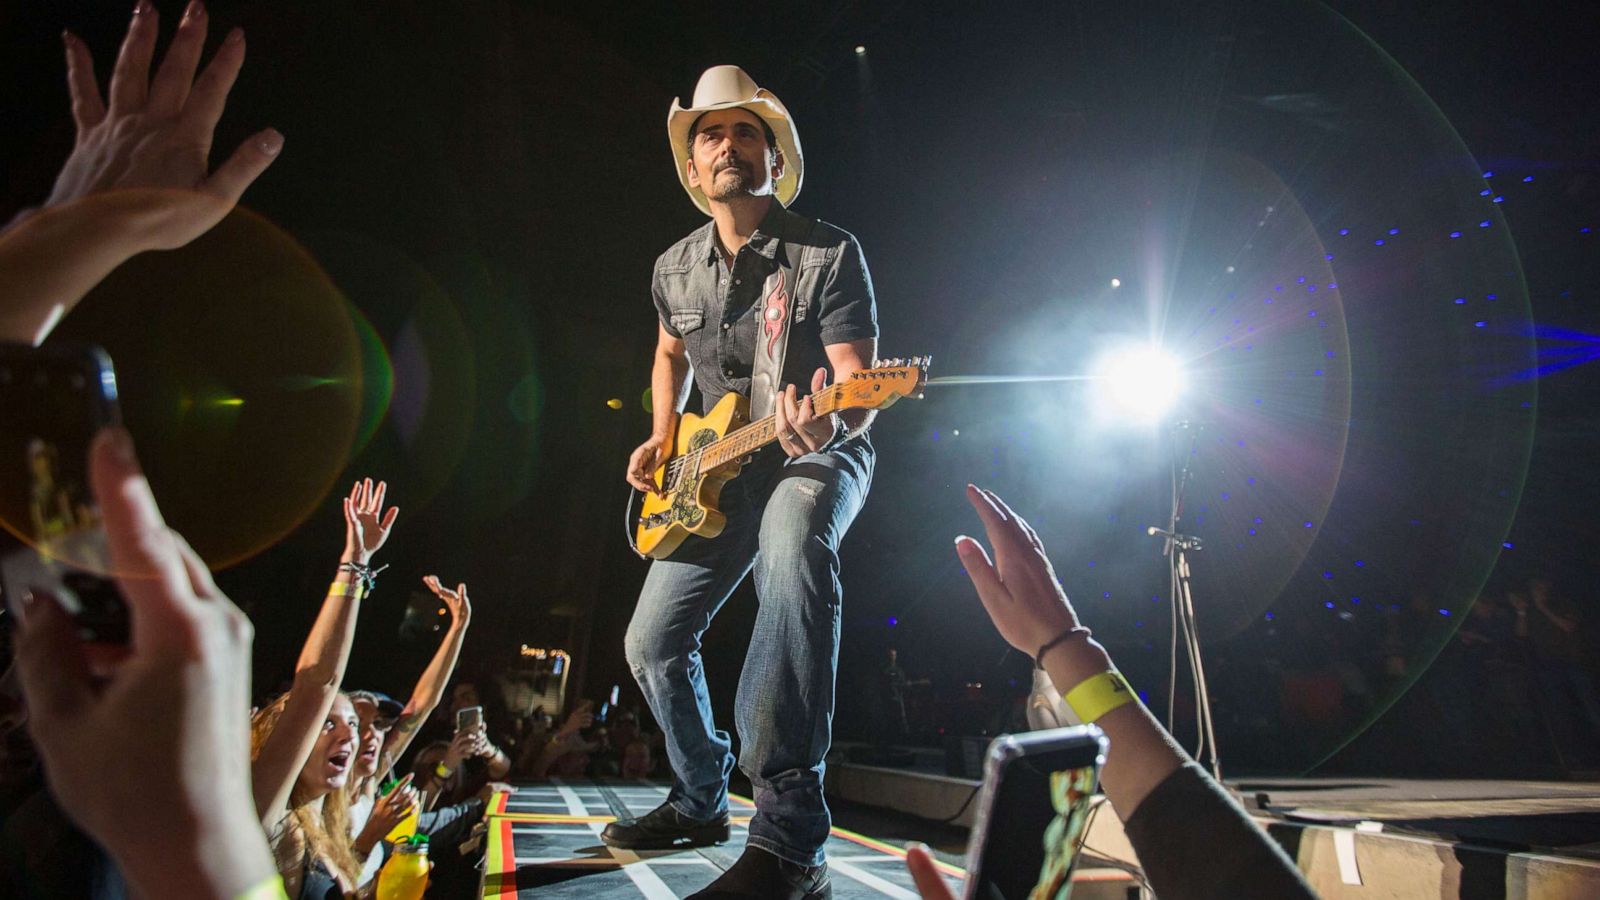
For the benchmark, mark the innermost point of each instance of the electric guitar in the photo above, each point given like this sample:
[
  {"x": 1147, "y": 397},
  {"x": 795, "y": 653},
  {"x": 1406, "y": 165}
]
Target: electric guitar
[{"x": 709, "y": 451}]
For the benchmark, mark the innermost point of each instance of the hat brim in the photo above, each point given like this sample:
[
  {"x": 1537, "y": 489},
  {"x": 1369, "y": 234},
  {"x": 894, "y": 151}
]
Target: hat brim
[{"x": 767, "y": 108}]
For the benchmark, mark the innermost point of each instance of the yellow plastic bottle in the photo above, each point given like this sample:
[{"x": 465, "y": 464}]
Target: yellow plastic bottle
[
  {"x": 407, "y": 826},
  {"x": 405, "y": 875}
]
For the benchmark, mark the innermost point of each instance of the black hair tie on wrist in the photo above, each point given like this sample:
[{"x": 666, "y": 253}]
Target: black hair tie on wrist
[{"x": 1061, "y": 638}]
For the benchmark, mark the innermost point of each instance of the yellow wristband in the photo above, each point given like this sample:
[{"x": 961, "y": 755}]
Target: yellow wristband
[
  {"x": 1099, "y": 694},
  {"x": 346, "y": 589},
  {"x": 267, "y": 889},
  {"x": 440, "y": 770}
]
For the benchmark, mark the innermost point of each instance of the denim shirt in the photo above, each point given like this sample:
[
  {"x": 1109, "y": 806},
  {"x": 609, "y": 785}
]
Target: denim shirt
[{"x": 717, "y": 312}]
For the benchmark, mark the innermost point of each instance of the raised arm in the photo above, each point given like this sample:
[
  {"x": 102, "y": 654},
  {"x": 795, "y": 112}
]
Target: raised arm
[
  {"x": 139, "y": 175},
  {"x": 320, "y": 668},
  {"x": 430, "y": 687},
  {"x": 1153, "y": 785}
]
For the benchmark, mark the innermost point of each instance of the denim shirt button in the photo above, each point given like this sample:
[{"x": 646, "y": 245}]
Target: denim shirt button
[{"x": 726, "y": 326}]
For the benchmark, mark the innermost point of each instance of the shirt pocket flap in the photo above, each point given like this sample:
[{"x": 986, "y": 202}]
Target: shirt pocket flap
[{"x": 687, "y": 320}]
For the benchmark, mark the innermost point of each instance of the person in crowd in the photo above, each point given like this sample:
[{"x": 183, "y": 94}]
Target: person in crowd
[
  {"x": 169, "y": 798},
  {"x": 304, "y": 743},
  {"x": 1553, "y": 630},
  {"x": 387, "y": 729},
  {"x": 139, "y": 175},
  {"x": 539, "y": 760},
  {"x": 450, "y": 772},
  {"x": 637, "y": 760},
  {"x": 1193, "y": 840},
  {"x": 138, "y": 178}
]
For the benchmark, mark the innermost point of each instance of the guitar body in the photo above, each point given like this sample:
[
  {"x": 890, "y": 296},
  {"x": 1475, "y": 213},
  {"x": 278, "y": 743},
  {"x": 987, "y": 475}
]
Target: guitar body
[
  {"x": 691, "y": 508},
  {"x": 708, "y": 452}
]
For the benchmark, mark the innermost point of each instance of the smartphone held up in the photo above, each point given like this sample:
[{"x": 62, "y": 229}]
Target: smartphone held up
[{"x": 53, "y": 401}]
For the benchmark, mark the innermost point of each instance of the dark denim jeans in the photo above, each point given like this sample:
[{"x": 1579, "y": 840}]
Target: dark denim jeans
[{"x": 785, "y": 521}]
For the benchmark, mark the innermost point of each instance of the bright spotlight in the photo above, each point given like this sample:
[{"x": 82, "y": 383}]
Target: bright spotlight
[
  {"x": 1116, "y": 282},
  {"x": 861, "y": 50},
  {"x": 1141, "y": 383}
]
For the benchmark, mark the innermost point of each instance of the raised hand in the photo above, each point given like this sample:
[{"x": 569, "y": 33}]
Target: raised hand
[
  {"x": 1019, "y": 588},
  {"x": 464, "y": 746},
  {"x": 169, "y": 796},
  {"x": 456, "y": 601},
  {"x": 581, "y": 717},
  {"x": 366, "y": 525},
  {"x": 156, "y": 133}
]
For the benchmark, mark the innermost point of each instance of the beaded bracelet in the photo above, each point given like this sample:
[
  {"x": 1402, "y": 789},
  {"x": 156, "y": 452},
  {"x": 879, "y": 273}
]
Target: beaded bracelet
[{"x": 367, "y": 575}]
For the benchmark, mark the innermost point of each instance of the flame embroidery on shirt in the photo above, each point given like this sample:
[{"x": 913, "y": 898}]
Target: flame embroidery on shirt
[{"x": 773, "y": 312}]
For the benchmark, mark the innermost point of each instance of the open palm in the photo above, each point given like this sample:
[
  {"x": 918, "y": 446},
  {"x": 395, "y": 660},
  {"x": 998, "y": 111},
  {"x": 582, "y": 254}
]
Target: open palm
[{"x": 366, "y": 524}]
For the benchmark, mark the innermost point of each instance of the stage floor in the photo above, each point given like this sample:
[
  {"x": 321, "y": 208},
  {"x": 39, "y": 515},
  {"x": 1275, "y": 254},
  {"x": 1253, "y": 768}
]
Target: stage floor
[{"x": 544, "y": 841}]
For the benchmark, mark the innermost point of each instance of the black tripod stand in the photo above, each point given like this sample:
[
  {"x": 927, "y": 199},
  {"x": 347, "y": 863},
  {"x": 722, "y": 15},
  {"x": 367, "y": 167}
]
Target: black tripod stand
[{"x": 1176, "y": 546}]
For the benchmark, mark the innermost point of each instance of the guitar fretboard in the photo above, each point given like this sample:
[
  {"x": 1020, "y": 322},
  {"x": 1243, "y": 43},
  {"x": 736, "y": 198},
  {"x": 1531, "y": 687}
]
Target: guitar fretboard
[{"x": 756, "y": 435}]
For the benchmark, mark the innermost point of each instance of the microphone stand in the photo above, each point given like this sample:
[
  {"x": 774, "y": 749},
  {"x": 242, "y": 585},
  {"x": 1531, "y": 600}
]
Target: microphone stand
[{"x": 1176, "y": 546}]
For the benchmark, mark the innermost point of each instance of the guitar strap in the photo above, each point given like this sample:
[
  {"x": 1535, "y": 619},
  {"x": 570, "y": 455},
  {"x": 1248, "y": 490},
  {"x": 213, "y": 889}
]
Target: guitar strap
[{"x": 772, "y": 338}]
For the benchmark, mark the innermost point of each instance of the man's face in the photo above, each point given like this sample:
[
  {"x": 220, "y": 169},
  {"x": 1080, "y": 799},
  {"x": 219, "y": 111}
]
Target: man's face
[
  {"x": 463, "y": 696},
  {"x": 372, "y": 733},
  {"x": 729, "y": 156}
]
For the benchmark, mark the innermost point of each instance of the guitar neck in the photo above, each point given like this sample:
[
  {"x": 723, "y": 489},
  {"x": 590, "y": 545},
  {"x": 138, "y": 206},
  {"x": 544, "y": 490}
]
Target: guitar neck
[{"x": 756, "y": 435}]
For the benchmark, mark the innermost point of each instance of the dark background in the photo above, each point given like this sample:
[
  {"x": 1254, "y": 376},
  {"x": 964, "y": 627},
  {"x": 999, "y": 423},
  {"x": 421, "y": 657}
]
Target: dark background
[{"x": 487, "y": 185}]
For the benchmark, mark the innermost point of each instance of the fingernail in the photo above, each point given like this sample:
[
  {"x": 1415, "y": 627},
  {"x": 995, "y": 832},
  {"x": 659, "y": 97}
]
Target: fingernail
[
  {"x": 66, "y": 37},
  {"x": 236, "y": 36},
  {"x": 270, "y": 142},
  {"x": 195, "y": 9},
  {"x": 141, "y": 7}
]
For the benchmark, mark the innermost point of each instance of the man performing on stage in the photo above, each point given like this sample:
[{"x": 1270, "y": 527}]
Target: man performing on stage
[{"x": 753, "y": 302}]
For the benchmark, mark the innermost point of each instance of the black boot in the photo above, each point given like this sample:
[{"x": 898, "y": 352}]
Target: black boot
[
  {"x": 664, "y": 828},
  {"x": 758, "y": 873}
]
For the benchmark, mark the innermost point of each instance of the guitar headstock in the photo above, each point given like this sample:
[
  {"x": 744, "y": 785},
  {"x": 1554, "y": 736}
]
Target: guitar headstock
[{"x": 883, "y": 384}]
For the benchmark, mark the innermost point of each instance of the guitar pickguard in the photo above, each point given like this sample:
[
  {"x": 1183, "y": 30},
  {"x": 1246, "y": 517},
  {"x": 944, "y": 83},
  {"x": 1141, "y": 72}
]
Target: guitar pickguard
[{"x": 685, "y": 507}]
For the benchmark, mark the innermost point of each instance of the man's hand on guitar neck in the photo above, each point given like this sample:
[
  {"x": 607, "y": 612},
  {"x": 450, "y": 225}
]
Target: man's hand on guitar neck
[
  {"x": 798, "y": 427},
  {"x": 645, "y": 460}
]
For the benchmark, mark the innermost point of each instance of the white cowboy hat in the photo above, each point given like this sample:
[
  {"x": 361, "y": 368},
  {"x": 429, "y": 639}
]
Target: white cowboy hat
[{"x": 728, "y": 87}]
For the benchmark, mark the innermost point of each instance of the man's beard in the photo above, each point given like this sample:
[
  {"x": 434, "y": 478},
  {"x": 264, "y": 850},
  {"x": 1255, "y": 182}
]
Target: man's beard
[{"x": 739, "y": 183}]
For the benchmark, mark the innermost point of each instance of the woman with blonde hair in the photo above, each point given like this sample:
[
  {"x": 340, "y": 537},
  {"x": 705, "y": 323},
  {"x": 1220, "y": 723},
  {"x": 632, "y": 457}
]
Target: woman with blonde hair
[{"x": 303, "y": 743}]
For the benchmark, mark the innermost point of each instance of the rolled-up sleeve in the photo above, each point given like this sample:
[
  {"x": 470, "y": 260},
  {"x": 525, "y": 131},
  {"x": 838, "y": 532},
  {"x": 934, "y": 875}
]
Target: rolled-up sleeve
[
  {"x": 663, "y": 310},
  {"x": 847, "y": 311}
]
